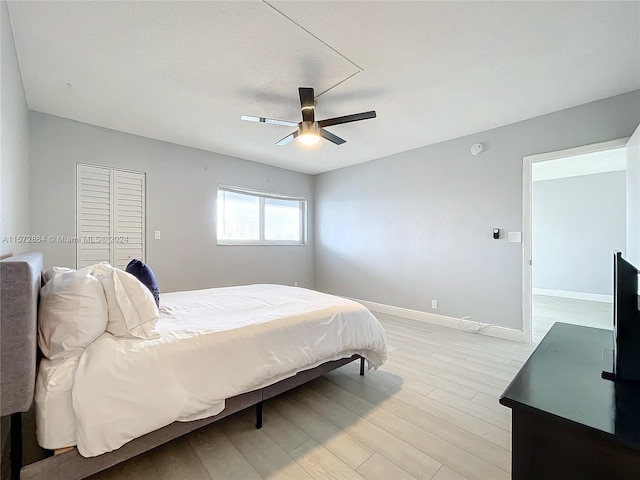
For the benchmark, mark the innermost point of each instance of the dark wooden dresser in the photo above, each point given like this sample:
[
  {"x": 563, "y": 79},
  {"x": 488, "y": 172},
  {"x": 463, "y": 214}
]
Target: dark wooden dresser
[{"x": 568, "y": 422}]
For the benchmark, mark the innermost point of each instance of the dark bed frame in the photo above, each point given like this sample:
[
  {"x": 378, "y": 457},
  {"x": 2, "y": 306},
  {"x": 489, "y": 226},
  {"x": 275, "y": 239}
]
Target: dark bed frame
[{"x": 19, "y": 289}]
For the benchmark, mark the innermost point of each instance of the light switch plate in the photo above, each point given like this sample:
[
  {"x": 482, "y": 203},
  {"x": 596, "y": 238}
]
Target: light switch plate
[
  {"x": 157, "y": 235},
  {"x": 514, "y": 237}
]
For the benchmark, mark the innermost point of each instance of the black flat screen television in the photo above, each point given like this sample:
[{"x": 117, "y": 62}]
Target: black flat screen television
[{"x": 626, "y": 320}]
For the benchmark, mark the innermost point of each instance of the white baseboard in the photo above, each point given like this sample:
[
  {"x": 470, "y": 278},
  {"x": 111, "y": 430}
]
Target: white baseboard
[
  {"x": 451, "y": 322},
  {"x": 593, "y": 297}
]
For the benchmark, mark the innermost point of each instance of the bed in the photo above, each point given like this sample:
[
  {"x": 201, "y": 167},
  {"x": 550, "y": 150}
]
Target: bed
[{"x": 266, "y": 339}]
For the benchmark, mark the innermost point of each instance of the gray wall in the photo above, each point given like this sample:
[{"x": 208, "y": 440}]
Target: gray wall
[
  {"x": 181, "y": 193},
  {"x": 577, "y": 223},
  {"x": 416, "y": 226},
  {"x": 14, "y": 159},
  {"x": 633, "y": 199}
]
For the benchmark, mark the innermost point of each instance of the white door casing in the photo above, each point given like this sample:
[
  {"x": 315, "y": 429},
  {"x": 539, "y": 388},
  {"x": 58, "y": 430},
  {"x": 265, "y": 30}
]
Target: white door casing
[
  {"x": 527, "y": 180},
  {"x": 633, "y": 198}
]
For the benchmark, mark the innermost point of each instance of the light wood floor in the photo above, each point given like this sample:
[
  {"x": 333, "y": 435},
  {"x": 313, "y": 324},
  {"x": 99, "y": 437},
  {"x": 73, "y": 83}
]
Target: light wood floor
[
  {"x": 431, "y": 412},
  {"x": 547, "y": 310}
]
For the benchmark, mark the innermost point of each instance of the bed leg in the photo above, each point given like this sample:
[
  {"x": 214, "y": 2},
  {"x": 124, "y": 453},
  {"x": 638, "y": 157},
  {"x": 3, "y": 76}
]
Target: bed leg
[
  {"x": 16, "y": 445},
  {"x": 259, "y": 415},
  {"x": 362, "y": 366}
]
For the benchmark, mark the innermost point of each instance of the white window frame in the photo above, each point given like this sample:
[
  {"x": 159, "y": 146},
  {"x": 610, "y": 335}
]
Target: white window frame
[{"x": 262, "y": 196}]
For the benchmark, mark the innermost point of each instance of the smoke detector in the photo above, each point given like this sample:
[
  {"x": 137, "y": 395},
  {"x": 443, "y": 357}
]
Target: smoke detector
[{"x": 476, "y": 149}]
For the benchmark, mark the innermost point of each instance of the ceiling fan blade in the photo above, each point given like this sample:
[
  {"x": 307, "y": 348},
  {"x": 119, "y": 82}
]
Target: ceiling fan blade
[
  {"x": 347, "y": 118},
  {"x": 307, "y": 103},
  {"x": 287, "y": 139},
  {"x": 331, "y": 137},
  {"x": 268, "y": 120}
]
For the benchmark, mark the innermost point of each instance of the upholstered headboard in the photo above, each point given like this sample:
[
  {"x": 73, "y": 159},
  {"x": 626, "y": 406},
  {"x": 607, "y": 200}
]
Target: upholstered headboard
[{"x": 19, "y": 290}]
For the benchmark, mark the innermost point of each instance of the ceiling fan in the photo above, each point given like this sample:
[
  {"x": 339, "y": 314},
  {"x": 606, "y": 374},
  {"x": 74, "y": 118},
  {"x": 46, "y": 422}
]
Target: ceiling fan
[{"x": 309, "y": 130}]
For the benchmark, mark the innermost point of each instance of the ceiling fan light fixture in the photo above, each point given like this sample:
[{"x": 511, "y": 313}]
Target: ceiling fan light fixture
[
  {"x": 309, "y": 130},
  {"x": 308, "y": 133},
  {"x": 309, "y": 139}
]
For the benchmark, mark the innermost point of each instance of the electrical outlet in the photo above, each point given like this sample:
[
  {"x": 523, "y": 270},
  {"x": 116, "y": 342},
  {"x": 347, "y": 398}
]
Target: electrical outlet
[
  {"x": 295, "y": 284},
  {"x": 157, "y": 235},
  {"x": 434, "y": 304}
]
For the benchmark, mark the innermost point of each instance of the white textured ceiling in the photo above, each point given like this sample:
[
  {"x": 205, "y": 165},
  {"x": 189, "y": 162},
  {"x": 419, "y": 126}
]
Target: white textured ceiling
[{"x": 184, "y": 72}]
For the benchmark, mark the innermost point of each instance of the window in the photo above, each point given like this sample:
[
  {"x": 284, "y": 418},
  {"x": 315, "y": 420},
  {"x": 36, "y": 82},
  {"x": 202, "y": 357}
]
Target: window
[
  {"x": 110, "y": 216},
  {"x": 248, "y": 217}
]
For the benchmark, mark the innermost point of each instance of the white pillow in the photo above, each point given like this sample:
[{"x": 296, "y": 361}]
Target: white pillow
[
  {"x": 72, "y": 313},
  {"x": 132, "y": 309},
  {"x": 49, "y": 274}
]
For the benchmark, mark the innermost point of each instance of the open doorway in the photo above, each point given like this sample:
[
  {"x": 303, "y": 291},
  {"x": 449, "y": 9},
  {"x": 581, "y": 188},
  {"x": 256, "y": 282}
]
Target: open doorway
[
  {"x": 578, "y": 218},
  {"x": 574, "y": 218}
]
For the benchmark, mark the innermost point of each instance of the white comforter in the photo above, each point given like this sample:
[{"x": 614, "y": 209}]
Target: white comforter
[{"x": 213, "y": 344}]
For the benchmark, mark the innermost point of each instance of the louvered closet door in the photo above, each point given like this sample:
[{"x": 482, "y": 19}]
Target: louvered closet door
[
  {"x": 94, "y": 218},
  {"x": 110, "y": 216},
  {"x": 128, "y": 217}
]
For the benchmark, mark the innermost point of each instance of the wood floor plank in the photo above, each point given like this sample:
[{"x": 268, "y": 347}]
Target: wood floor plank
[
  {"x": 374, "y": 378},
  {"x": 418, "y": 464},
  {"x": 503, "y": 365},
  {"x": 322, "y": 464},
  {"x": 424, "y": 381},
  {"x": 458, "y": 417},
  {"x": 491, "y": 402},
  {"x": 281, "y": 429},
  {"x": 547, "y": 310},
  {"x": 442, "y": 451},
  {"x": 220, "y": 457},
  {"x": 447, "y": 339},
  {"x": 410, "y": 339},
  {"x": 491, "y": 368},
  {"x": 264, "y": 455},
  {"x": 494, "y": 417},
  {"x": 347, "y": 448},
  {"x": 415, "y": 409},
  {"x": 451, "y": 378},
  {"x": 499, "y": 351},
  {"x": 460, "y": 371},
  {"x": 413, "y": 346},
  {"x": 445, "y": 473},
  {"x": 378, "y": 467},
  {"x": 177, "y": 459}
]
